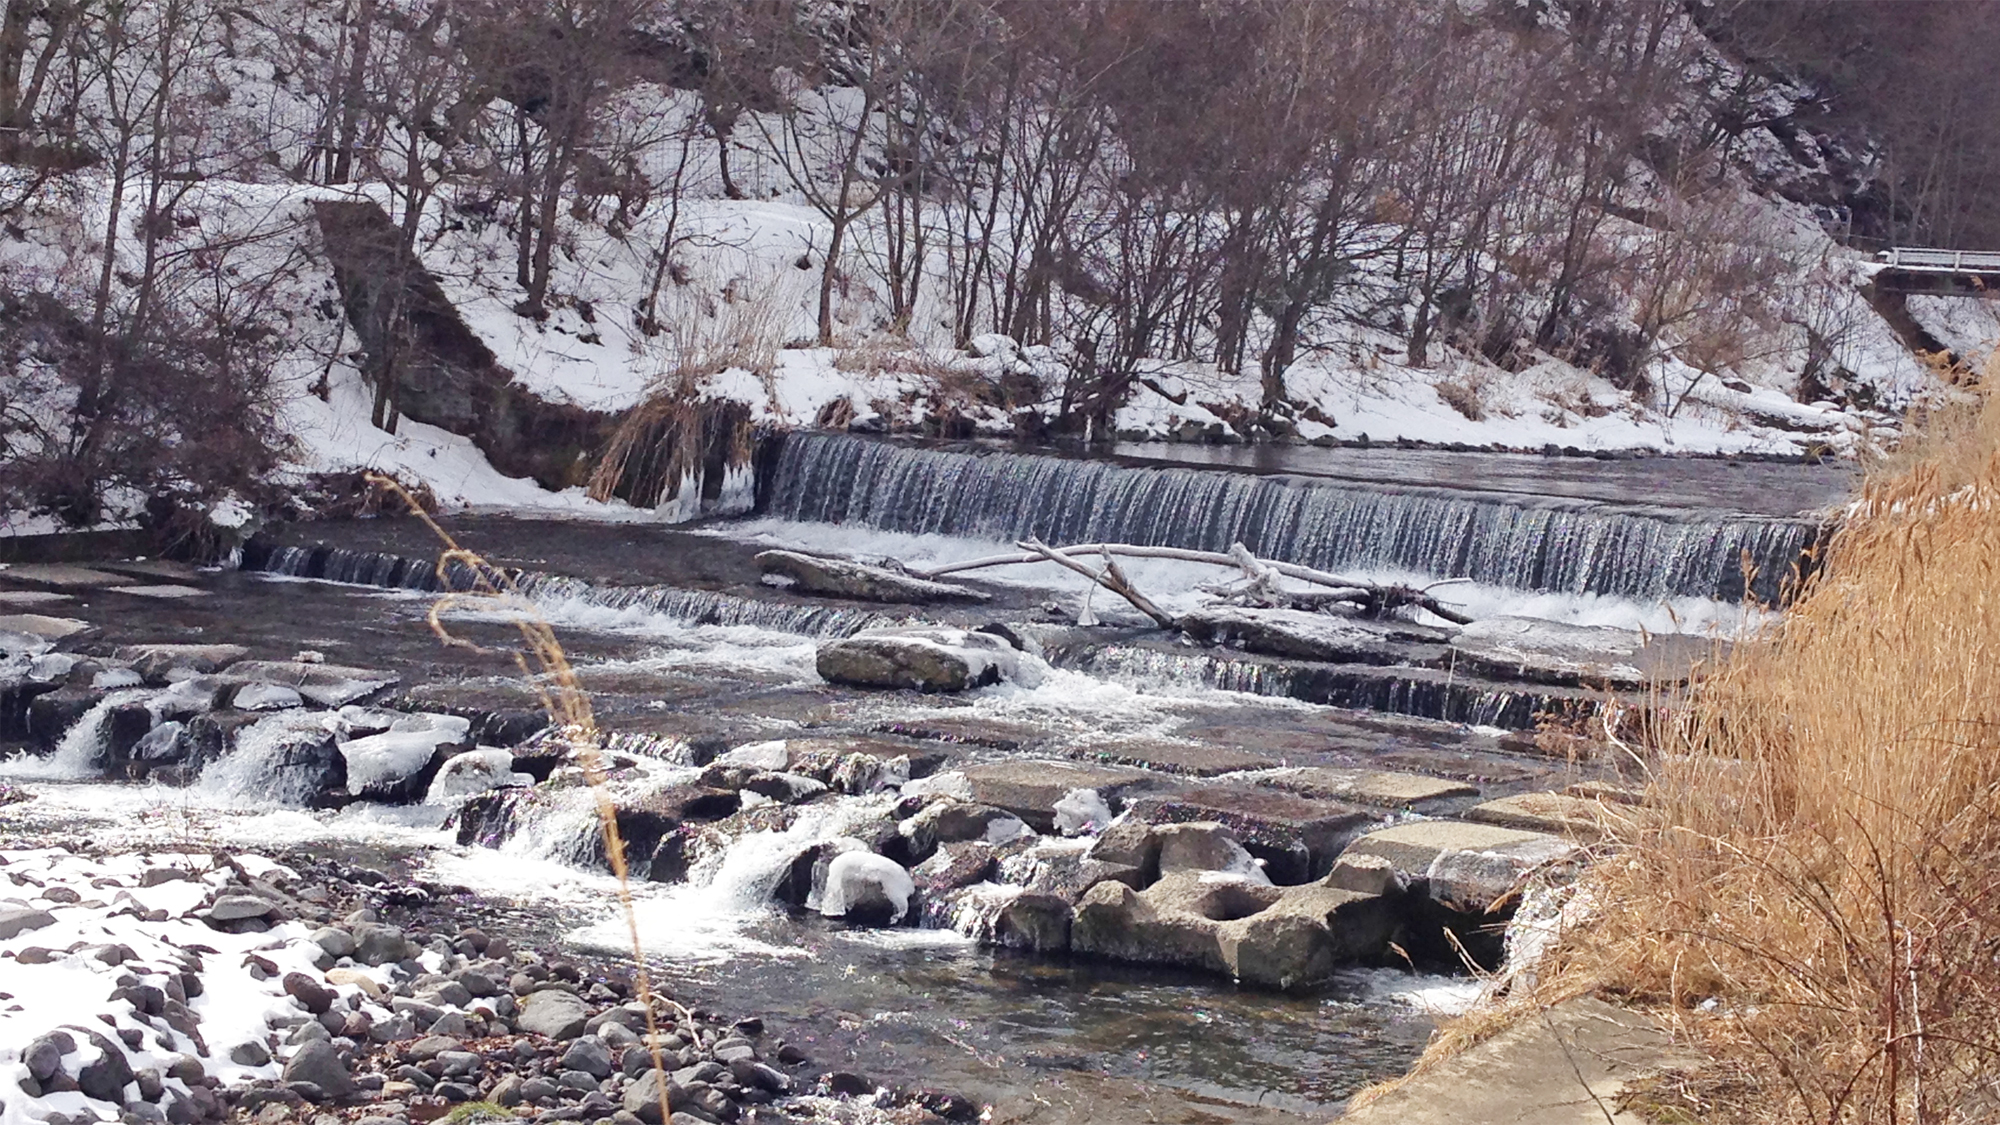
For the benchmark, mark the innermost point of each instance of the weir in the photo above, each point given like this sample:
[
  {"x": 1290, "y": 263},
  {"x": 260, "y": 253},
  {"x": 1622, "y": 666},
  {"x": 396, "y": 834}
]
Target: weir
[{"x": 1560, "y": 545}]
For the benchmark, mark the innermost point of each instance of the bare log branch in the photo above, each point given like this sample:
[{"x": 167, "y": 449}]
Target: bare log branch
[{"x": 1112, "y": 579}]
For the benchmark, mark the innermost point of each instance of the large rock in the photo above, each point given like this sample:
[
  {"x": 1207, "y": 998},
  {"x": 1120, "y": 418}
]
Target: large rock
[
  {"x": 926, "y": 658},
  {"x": 1298, "y": 839},
  {"x": 1530, "y": 648},
  {"x": 553, "y": 1013},
  {"x": 287, "y": 758},
  {"x": 1205, "y": 845},
  {"x": 1316, "y": 636},
  {"x": 840, "y": 578},
  {"x": 1280, "y": 937},
  {"x": 106, "y": 1076}
]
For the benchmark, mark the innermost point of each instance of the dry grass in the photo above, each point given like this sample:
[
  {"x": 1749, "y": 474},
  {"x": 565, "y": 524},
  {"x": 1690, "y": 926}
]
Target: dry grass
[
  {"x": 1818, "y": 905},
  {"x": 542, "y": 661}
]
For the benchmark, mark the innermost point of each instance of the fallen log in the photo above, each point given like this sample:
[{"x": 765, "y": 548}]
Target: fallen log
[{"x": 1374, "y": 599}]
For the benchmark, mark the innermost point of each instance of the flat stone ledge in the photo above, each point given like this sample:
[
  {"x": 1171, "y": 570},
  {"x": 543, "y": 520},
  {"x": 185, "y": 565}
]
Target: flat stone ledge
[
  {"x": 1390, "y": 788},
  {"x": 1567, "y": 1065},
  {"x": 60, "y": 576}
]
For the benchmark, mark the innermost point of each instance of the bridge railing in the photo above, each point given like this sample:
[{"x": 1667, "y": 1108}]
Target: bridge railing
[{"x": 1925, "y": 260}]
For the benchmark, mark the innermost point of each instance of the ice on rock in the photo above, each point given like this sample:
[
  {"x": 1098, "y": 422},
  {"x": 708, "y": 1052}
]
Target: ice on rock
[
  {"x": 1081, "y": 812},
  {"x": 266, "y": 697},
  {"x": 863, "y": 886},
  {"x": 475, "y": 772}
]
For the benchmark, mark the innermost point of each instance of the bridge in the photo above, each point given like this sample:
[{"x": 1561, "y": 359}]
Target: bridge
[{"x": 1916, "y": 269}]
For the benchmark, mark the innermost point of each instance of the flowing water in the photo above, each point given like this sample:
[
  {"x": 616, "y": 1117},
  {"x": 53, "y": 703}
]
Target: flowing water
[{"x": 685, "y": 652}]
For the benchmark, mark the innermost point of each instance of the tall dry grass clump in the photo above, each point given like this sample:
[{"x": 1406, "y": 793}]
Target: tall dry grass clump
[{"x": 1818, "y": 903}]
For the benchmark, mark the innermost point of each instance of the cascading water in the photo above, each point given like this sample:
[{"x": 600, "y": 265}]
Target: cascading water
[
  {"x": 692, "y": 607},
  {"x": 1420, "y": 692},
  {"x": 1560, "y": 545}
]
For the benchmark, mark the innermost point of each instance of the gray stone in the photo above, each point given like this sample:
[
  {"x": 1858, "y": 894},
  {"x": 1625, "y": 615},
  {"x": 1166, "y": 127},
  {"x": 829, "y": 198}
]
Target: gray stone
[
  {"x": 840, "y": 578},
  {"x": 155, "y": 661},
  {"x": 1204, "y": 845},
  {"x": 644, "y": 1096},
  {"x": 1034, "y": 921},
  {"x": 251, "y": 1053},
  {"x": 1029, "y": 788},
  {"x": 1466, "y": 867},
  {"x": 552, "y": 1013},
  {"x": 105, "y": 1077},
  {"x": 591, "y": 1056},
  {"x": 1298, "y": 839},
  {"x": 458, "y": 1064},
  {"x": 950, "y": 822},
  {"x": 43, "y": 1055},
  {"x": 17, "y": 921},
  {"x": 319, "y": 1063},
  {"x": 377, "y": 944},
  {"x": 336, "y": 941},
  {"x": 235, "y": 908}
]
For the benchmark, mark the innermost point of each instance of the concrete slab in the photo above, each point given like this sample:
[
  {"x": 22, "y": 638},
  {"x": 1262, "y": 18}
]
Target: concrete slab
[
  {"x": 1559, "y": 814},
  {"x": 59, "y": 576},
  {"x": 1298, "y": 839},
  {"x": 47, "y": 628},
  {"x": 1192, "y": 758},
  {"x": 163, "y": 593},
  {"x": 1566, "y": 1065},
  {"x": 164, "y": 570},
  {"x": 1389, "y": 788},
  {"x": 17, "y": 599},
  {"x": 1414, "y": 845},
  {"x": 1030, "y": 789}
]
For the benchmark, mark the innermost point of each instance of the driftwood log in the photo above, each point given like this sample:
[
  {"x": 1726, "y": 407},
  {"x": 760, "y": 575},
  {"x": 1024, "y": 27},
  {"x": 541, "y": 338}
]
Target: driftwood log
[{"x": 1258, "y": 586}]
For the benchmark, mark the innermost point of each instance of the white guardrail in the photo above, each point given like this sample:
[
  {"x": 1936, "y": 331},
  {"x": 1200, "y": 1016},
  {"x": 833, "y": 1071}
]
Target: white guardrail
[{"x": 1940, "y": 261}]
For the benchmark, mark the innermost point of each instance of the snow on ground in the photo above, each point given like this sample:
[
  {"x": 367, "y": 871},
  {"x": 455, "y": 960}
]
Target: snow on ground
[{"x": 62, "y": 964}]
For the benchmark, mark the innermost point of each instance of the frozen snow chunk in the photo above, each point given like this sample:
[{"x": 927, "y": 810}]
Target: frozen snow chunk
[
  {"x": 867, "y": 889},
  {"x": 395, "y": 766},
  {"x": 1082, "y": 811}
]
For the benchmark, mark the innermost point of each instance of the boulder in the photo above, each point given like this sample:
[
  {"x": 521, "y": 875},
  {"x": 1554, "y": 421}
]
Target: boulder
[
  {"x": 286, "y": 758},
  {"x": 841, "y": 578},
  {"x": 954, "y": 866},
  {"x": 378, "y": 944},
  {"x": 924, "y": 658},
  {"x": 1302, "y": 635},
  {"x": 1036, "y": 922},
  {"x": 1463, "y": 878},
  {"x": 15, "y": 921},
  {"x": 106, "y": 1076}
]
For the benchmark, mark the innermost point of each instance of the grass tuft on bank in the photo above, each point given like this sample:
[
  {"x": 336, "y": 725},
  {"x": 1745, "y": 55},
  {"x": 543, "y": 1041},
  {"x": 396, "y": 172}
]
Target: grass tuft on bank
[{"x": 1817, "y": 903}]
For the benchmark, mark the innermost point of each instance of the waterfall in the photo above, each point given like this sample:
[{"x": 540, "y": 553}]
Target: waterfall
[
  {"x": 692, "y": 607},
  {"x": 1426, "y": 693},
  {"x": 1547, "y": 544}
]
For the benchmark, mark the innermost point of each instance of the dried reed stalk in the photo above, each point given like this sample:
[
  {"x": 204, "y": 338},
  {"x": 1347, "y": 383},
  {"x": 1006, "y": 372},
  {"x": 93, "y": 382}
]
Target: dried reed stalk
[{"x": 542, "y": 660}]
